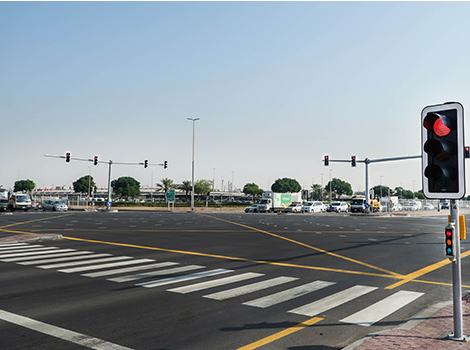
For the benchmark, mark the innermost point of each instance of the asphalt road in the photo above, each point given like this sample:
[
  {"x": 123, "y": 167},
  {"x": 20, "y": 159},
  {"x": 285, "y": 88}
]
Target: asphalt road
[{"x": 153, "y": 280}]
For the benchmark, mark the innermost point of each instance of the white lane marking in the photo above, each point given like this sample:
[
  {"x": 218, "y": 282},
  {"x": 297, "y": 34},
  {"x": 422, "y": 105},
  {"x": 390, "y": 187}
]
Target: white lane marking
[
  {"x": 105, "y": 266},
  {"x": 235, "y": 292},
  {"x": 52, "y": 254},
  {"x": 19, "y": 248},
  {"x": 165, "y": 281},
  {"x": 61, "y": 333},
  {"x": 128, "y": 269},
  {"x": 86, "y": 262},
  {"x": 12, "y": 244},
  {"x": 382, "y": 309},
  {"x": 288, "y": 294},
  {"x": 215, "y": 283},
  {"x": 332, "y": 301},
  {"x": 42, "y": 252},
  {"x": 73, "y": 257},
  {"x": 155, "y": 273}
]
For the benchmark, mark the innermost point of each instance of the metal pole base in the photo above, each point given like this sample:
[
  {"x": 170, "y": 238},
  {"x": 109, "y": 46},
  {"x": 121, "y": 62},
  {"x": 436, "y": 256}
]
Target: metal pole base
[{"x": 463, "y": 338}]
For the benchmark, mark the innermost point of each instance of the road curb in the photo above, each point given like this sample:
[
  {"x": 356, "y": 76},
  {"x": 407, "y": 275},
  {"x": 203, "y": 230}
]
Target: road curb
[
  {"x": 408, "y": 325},
  {"x": 29, "y": 238}
]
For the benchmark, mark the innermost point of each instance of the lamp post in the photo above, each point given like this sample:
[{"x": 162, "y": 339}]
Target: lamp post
[{"x": 192, "y": 177}]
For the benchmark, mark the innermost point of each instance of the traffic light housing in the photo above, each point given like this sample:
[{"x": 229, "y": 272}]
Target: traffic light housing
[
  {"x": 165, "y": 164},
  {"x": 67, "y": 157},
  {"x": 146, "y": 163},
  {"x": 443, "y": 165},
  {"x": 353, "y": 160},
  {"x": 450, "y": 242},
  {"x": 467, "y": 151},
  {"x": 327, "y": 160},
  {"x": 95, "y": 160}
]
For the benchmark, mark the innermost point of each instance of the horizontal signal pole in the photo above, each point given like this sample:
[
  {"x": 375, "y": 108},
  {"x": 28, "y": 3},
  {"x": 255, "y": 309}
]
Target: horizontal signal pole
[
  {"x": 95, "y": 161},
  {"x": 367, "y": 161}
]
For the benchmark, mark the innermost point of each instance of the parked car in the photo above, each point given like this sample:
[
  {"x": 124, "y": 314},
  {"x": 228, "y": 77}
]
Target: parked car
[
  {"x": 252, "y": 208},
  {"x": 34, "y": 205},
  {"x": 54, "y": 205},
  {"x": 293, "y": 208},
  {"x": 444, "y": 205},
  {"x": 313, "y": 207},
  {"x": 428, "y": 206},
  {"x": 338, "y": 207}
]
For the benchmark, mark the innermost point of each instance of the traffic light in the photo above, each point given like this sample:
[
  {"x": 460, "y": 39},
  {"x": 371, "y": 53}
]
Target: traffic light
[
  {"x": 67, "y": 157},
  {"x": 443, "y": 151},
  {"x": 353, "y": 160},
  {"x": 450, "y": 240},
  {"x": 165, "y": 164},
  {"x": 95, "y": 160},
  {"x": 146, "y": 163},
  {"x": 327, "y": 160},
  {"x": 467, "y": 152}
]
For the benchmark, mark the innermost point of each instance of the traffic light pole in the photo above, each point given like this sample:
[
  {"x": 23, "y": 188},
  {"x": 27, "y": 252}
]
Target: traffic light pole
[
  {"x": 457, "y": 276},
  {"x": 367, "y": 161}
]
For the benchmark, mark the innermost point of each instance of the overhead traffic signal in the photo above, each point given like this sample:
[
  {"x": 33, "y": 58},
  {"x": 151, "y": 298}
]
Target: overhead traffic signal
[
  {"x": 67, "y": 157},
  {"x": 467, "y": 151},
  {"x": 95, "y": 160},
  {"x": 353, "y": 160},
  {"x": 165, "y": 164},
  {"x": 327, "y": 160},
  {"x": 443, "y": 151},
  {"x": 146, "y": 163},
  {"x": 450, "y": 240}
]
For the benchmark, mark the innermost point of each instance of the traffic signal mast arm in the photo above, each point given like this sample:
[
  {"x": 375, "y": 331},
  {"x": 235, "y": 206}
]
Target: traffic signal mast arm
[
  {"x": 368, "y": 161},
  {"x": 102, "y": 161}
]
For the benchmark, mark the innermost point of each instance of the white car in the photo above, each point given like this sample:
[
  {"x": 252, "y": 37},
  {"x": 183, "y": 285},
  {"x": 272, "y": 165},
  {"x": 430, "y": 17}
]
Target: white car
[
  {"x": 252, "y": 208},
  {"x": 339, "y": 207},
  {"x": 313, "y": 207},
  {"x": 54, "y": 205},
  {"x": 293, "y": 208}
]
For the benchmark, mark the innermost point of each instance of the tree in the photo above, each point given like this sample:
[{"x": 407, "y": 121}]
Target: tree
[
  {"x": 186, "y": 186},
  {"x": 381, "y": 191},
  {"x": 83, "y": 184},
  {"x": 317, "y": 194},
  {"x": 24, "y": 185},
  {"x": 126, "y": 187},
  {"x": 166, "y": 184},
  {"x": 286, "y": 185},
  {"x": 252, "y": 189},
  {"x": 339, "y": 187},
  {"x": 202, "y": 186}
]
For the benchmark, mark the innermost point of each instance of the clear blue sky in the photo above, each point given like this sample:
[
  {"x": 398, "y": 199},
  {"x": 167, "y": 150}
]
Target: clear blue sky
[{"x": 276, "y": 85}]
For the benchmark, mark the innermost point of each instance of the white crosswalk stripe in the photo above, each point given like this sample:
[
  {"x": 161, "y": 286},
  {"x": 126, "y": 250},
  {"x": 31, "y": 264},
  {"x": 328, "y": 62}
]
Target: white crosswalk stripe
[
  {"x": 105, "y": 266},
  {"x": 129, "y": 269},
  {"x": 156, "y": 273},
  {"x": 332, "y": 301},
  {"x": 288, "y": 294},
  {"x": 53, "y": 254},
  {"x": 86, "y": 262},
  {"x": 74, "y": 256},
  {"x": 215, "y": 283},
  {"x": 42, "y": 252},
  {"x": 235, "y": 292},
  {"x": 382, "y": 309},
  {"x": 153, "y": 284},
  {"x": 22, "y": 247}
]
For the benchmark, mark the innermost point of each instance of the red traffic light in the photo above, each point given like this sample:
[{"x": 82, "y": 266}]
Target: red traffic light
[
  {"x": 67, "y": 157},
  {"x": 95, "y": 160},
  {"x": 449, "y": 240},
  {"x": 439, "y": 124},
  {"x": 327, "y": 160}
]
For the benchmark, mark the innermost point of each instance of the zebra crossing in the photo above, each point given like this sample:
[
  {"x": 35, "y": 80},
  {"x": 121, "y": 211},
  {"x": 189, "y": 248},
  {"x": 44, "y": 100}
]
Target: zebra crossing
[{"x": 149, "y": 273}]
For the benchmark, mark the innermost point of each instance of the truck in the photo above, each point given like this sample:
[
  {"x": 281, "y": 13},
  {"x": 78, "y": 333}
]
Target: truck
[
  {"x": 358, "y": 205},
  {"x": 19, "y": 201},
  {"x": 274, "y": 202},
  {"x": 3, "y": 199}
]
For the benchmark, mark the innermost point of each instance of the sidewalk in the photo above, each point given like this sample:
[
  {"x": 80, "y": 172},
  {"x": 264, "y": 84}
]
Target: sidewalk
[{"x": 426, "y": 331}]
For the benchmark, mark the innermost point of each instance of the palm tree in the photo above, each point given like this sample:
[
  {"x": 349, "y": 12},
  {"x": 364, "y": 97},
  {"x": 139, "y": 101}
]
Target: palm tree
[
  {"x": 166, "y": 184},
  {"x": 186, "y": 186}
]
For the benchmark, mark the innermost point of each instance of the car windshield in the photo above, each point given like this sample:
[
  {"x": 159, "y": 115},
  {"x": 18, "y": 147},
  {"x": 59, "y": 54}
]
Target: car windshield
[
  {"x": 308, "y": 204},
  {"x": 263, "y": 201},
  {"x": 23, "y": 198},
  {"x": 357, "y": 201},
  {"x": 57, "y": 202},
  {"x": 335, "y": 204}
]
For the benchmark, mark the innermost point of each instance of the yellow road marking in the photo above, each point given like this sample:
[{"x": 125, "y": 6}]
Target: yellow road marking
[
  {"x": 281, "y": 334},
  {"x": 27, "y": 222},
  {"x": 425, "y": 270},
  {"x": 394, "y": 274},
  {"x": 231, "y": 258}
]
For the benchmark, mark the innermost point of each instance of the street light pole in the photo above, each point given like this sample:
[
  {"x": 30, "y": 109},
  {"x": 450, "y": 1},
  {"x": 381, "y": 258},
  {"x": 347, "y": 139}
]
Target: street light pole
[{"x": 192, "y": 177}]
